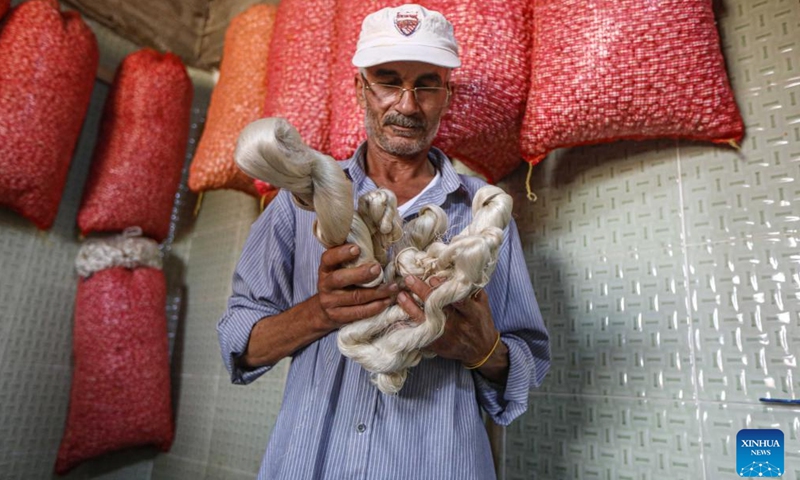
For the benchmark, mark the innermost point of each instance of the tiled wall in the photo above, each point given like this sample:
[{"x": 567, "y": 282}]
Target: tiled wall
[{"x": 669, "y": 277}]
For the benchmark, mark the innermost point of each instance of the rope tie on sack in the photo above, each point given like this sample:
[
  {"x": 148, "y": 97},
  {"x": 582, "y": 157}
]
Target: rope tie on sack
[
  {"x": 390, "y": 343},
  {"x": 128, "y": 249}
]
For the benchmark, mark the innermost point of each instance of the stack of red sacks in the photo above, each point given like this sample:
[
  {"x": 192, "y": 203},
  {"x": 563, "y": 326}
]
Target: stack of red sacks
[
  {"x": 530, "y": 80},
  {"x": 120, "y": 393}
]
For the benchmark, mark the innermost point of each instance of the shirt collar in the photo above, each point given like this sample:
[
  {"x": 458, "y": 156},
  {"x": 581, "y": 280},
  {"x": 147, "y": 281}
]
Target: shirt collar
[{"x": 355, "y": 169}]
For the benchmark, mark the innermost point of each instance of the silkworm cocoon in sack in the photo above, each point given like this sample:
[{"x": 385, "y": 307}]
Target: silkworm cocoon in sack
[
  {"x": 140, "y": 152},
  {"x": 120, "y": 395},
  {"x": 298, "y": 84},
  {"x": 626, "y": 70},
  {"x": 300, "y": 57},
  {"x": 482, "y": 125},
  {"x": 237, "y": 100},
  {"x": 48, "y": 63}
]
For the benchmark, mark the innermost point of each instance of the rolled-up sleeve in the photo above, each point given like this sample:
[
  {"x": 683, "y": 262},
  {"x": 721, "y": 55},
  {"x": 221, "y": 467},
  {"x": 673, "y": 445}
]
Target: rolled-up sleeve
[
  {"x": 517, "y": 317},
  {"x": 262, "y": 284}
]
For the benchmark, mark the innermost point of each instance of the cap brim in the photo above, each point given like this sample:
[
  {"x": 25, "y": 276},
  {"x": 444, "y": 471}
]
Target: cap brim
[{"x": 369, "y": 57}]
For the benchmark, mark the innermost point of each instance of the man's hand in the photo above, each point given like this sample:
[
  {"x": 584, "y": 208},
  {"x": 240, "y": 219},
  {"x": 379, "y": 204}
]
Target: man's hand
[
  {"x": 469, "y": 333},
  {"x": 340, "y": 300}
]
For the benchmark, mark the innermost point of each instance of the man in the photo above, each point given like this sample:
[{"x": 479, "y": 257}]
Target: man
[{"x": 290, "y": 297}]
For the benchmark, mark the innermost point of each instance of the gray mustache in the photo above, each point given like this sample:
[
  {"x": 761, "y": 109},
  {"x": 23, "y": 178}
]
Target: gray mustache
[{"x": 403, "y": 121}]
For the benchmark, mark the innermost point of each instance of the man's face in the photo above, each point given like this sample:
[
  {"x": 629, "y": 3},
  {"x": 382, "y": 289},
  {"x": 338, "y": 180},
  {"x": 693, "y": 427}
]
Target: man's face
[{"x": 401, "y": 123}]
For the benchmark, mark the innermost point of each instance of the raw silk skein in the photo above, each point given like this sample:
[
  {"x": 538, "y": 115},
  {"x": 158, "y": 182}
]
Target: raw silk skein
[
  {"x": 353, "y": 339},
  {"x": 388, "y": 344},
  {"x": 272, "y": 150}
]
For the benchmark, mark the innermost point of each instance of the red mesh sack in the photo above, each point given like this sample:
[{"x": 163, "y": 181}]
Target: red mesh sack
[
  {"x": 300, "y": 56},
  {"x": 237, "y": 100},
  {"x": 120, "y": 395},
  {"x": 48, "y": 63},
  {"x": 140, "y": 151},
  {"x": 4, "y": 6},
  {"x": 626, "y": 69},
  {"x": 482, "y": 126}
]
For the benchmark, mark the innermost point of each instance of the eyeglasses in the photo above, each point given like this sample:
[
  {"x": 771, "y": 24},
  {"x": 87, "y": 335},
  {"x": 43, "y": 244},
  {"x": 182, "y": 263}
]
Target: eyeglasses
[{"x": 392, "y": 94}]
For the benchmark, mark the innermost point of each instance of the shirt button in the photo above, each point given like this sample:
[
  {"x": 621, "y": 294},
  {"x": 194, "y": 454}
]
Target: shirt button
[{"x": 361, "y": 428}]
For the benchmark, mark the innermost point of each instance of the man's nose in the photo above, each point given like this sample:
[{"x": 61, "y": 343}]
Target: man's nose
[{"x": 407, "y": 104}]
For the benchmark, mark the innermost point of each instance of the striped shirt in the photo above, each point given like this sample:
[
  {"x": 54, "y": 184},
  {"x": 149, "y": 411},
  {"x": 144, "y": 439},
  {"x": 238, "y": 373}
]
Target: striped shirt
[{"x": 334, "y": 423}]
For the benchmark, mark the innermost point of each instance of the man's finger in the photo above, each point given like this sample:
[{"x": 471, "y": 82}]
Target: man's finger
[
  {"x": 362, "y": 296},
  {"x": 418, "y": 287},
  {"x": 345, "y": 277},
  {"x": 469, "y": 304},
  {"x": 334, "y": 257},
  {"x": 352, "y": 314},
  {"x": 410, "y": 307}
]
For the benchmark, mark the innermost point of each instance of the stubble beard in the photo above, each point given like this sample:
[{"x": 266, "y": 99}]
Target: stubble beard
[{"x": 404, "y": 147}]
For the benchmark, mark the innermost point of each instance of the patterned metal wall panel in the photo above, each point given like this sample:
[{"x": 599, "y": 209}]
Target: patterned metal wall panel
[
  {"x": 753, "y": 192},
  {"x": 171, "y": 467},
  {"x": 222, "y": 429},
  {"x": 746, "y": 299},
  {"x": 33, "y": 409},
  {"x": 618, "y": 324},
  {"x": 566, "y": 437},
  {"x": 600, "y": 200},
  {"x": 133, "y": 464},
  {"x": 195, "y": 401},
  {"x": 221, "y": 473},
  {"x": 243, "y": 420},
  {"x": 209, "y": 274}
]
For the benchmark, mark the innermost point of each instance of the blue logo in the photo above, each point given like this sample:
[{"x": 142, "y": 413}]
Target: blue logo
[{"x": 759, "y": 453}]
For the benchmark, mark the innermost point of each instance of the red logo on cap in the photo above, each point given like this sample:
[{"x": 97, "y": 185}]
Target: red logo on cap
[{"x": 406, "y": 22}]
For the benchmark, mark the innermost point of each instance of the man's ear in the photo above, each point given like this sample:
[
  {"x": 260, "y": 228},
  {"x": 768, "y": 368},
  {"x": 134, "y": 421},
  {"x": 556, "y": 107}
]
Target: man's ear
[
  {"x": 451, "y": 87},
  {"x": 360, "y": 91}
]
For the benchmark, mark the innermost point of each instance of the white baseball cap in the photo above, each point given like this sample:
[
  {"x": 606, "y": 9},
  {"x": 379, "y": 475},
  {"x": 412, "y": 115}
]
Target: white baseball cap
[{"x": 406, "y": 33}]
